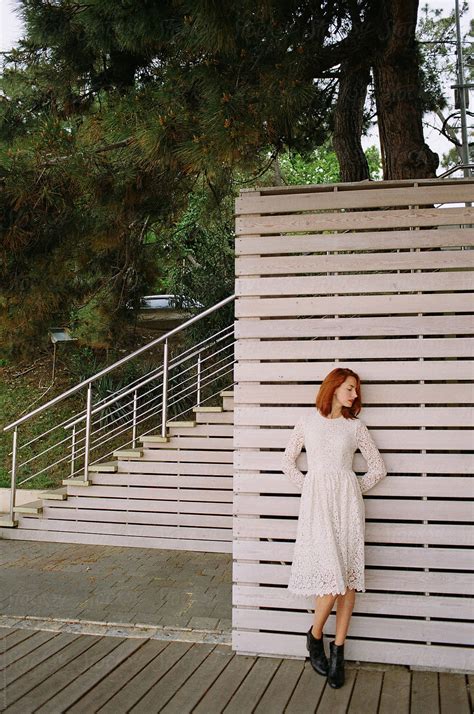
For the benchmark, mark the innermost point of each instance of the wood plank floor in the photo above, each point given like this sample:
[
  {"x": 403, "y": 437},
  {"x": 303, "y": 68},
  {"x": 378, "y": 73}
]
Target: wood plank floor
[{"x": 45, "y": 671}]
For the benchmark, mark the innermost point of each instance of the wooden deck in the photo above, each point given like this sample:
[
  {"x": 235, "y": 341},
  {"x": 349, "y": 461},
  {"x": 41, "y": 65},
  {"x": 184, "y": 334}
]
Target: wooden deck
[{"x": 44, "y": 671}]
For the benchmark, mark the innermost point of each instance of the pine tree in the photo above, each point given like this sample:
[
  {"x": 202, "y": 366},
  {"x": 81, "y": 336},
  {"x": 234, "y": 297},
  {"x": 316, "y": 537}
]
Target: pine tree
[{"x": 113, "y": 115}]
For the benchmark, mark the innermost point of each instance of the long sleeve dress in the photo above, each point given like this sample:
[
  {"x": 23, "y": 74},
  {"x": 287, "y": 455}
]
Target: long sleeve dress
[{"x": 329, "y": 547}]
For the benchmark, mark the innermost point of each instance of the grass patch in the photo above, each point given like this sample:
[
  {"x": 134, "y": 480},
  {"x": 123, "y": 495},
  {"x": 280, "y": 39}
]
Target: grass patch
[{"x": 21, "y": 390}]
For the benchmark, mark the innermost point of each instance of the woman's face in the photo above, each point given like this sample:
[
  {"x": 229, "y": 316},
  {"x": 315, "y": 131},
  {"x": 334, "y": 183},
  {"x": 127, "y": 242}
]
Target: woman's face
[{"x": 346, "y": 393}]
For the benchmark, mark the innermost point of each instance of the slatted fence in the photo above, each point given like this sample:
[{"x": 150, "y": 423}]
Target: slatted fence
[{"x": 376, "y": 277}]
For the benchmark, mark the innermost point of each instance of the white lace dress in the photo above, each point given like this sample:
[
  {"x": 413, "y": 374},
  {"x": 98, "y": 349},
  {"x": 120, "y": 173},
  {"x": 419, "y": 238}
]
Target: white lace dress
[{"x": 329, "y": 548}]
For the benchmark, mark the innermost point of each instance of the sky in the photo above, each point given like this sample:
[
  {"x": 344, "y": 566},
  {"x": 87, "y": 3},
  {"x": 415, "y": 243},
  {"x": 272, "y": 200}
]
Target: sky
[
  {"x": 11, "y": 29},
  {"x": 10, "y": 25}
]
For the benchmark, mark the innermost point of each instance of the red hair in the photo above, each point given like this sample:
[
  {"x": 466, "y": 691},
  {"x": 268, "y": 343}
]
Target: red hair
[{"x": 329, "y": 385}]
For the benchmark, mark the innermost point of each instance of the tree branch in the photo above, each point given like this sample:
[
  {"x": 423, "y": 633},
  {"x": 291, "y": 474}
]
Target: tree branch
[{"x": 99, "y": 150}]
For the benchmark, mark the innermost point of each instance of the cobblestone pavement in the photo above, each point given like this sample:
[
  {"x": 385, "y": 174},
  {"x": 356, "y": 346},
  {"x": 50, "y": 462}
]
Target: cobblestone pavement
[{"x": 116, "y": 585}]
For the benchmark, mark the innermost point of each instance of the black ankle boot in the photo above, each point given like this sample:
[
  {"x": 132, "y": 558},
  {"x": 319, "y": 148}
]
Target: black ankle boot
[
  {"x": 336, "y": 665},
  {"x": 317, "y": 656}
]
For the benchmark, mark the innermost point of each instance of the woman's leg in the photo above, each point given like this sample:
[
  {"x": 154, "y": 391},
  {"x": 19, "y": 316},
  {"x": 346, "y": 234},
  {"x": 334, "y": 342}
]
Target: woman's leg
[
  {"x": 322, "y": 610},
  {"x": 345, "y": 605}
]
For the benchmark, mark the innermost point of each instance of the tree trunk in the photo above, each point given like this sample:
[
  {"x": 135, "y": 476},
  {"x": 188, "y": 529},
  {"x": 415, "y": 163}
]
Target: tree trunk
[
  {"x": 278, "y": 179},
  {"x": 348, "y": 120},
  {"x": 397, "y": 93}
]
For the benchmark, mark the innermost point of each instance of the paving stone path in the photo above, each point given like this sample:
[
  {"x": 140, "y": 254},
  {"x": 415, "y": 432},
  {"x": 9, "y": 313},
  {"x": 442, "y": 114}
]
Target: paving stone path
[{"x": 143, "y": 586}]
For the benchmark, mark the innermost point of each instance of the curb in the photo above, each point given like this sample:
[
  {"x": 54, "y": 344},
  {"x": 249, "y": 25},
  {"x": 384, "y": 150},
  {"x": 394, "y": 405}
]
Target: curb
[{"x": 118, "y": 629}]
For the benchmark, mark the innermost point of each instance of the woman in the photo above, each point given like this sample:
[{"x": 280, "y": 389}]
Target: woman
[{"x": 328, "y": 559}]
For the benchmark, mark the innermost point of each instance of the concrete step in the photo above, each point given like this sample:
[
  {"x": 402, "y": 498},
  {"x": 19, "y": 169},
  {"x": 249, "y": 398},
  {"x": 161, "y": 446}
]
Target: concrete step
[
  {"x": 227, "y": 394},
  {"x": 223, "y": 417},
  {"x": 154, "y": 439},
  {"x": 56, "y": 494},
  {"x": 129, "y": 453},
  {"x": 181, "y": 424},
  {"x": 75, "y": 482},
  {"x": 107, "y": 467},
  {"x": 209, "y": 410},
  {"x": 34, "y": 507}
]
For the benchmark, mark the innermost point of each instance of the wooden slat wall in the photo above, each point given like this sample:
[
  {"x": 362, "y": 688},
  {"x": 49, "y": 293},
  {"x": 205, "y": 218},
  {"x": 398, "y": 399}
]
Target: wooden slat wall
[
  {"x": 177, "y": 496},
  {"x": 377, "y": 277}
]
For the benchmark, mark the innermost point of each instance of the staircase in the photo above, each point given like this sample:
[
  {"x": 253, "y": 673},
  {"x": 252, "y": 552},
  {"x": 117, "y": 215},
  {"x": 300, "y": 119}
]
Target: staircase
[
  {"x": 173, "y": 492},
  {"x": 167, "y": 486}
]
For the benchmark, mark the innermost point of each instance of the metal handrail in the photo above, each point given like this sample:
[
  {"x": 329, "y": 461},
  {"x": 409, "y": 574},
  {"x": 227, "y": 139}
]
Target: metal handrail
[
  {"x": 190, "y": 352},
  {"x": 144, "y": 433},
  {"x": 140, "y": 407},
  {"x": 139, "y": 382},
  {"x": 174, "y": 399},
  {"x": 124, "y": 392},
  {"x": 87, "y": 382},
  {"x": 80, "y": 450}
]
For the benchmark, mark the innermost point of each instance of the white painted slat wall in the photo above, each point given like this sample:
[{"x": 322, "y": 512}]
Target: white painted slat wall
[{"x": 379, "y": 278}]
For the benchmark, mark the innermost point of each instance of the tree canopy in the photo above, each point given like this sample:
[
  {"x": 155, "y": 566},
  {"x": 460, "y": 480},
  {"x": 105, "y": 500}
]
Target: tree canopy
[{"x": 119, "y": 122}]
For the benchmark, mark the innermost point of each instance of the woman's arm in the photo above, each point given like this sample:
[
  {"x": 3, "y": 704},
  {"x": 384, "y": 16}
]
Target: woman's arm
[
  {"x": 377, "y": 470},
  {"x": 292, "y": 451}
]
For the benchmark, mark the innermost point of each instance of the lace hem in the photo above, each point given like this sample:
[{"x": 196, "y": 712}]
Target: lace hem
[
  {"x": 311, "y": 592},
  {"x": 326, "y": 583}
]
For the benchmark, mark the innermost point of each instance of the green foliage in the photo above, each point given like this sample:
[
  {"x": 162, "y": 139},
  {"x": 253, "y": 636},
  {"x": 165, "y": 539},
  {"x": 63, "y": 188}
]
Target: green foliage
[
  {"x": 321, "y": 166},
  {"x": 125, "y": 130},
  {"x": 199, "y": 253},
  {"x": 437, "y": 36},
  {"x": 436, "y": 33},
  {"x": 73, "y": 237},
  {"x": 375, "y": 163},
  {"x": 91, "y": 323},
  {"x": 82, "y": 362},
  {"x": 451, "y": 158}
]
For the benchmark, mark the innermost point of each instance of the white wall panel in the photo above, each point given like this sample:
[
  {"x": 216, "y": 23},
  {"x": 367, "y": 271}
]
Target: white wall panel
[{"x": 378, "y": 278}]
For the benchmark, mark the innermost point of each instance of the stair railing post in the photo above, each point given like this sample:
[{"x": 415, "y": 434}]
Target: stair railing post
[
  {"x": 164, "y": 414},
  {"x": 198, "y": 395},
  {"x": 73, "y": 449},
  {"x": 88, "y": 432},
  {"x": 13, "y": 481},
  {"x": 134, "y": 424}
]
